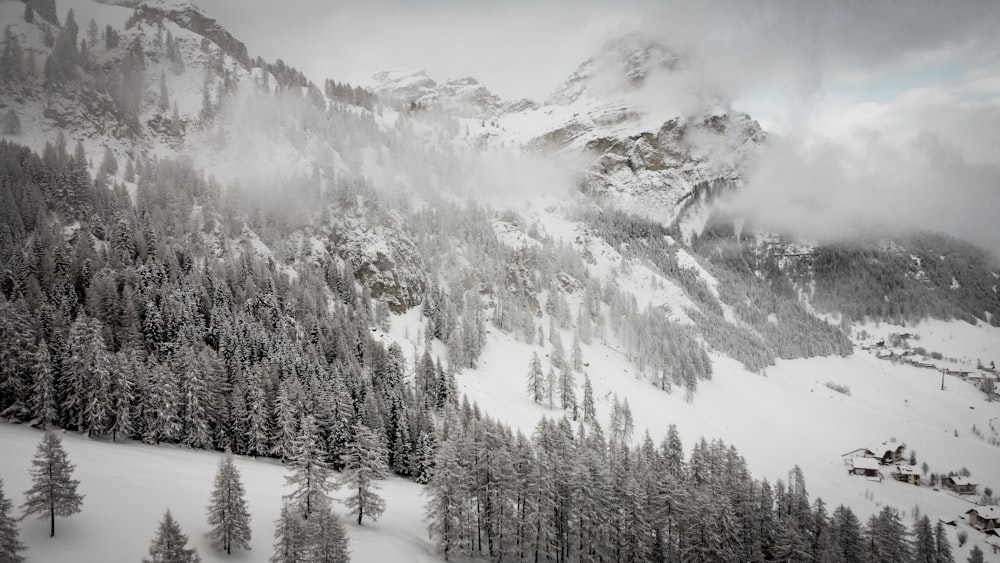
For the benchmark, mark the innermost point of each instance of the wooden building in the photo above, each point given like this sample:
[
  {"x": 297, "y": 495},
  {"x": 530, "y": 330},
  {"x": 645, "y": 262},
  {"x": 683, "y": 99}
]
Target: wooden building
[
  {"x": 906, "y": 474},
  {"x": 984, "y": 517},
  {"x": 867, "y": 466},
  {"x": 961, "y": 485}
]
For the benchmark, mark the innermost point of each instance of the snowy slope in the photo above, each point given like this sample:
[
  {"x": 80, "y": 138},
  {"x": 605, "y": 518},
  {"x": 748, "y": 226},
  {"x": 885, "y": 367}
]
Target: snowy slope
[
  {"x": 785, "y": 418},
  {"x": 127, "y": 488}
]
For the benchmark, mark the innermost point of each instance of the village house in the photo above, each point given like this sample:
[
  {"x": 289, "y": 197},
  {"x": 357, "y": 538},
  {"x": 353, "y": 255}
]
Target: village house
[
  {"x": 906, "y": 474},
  {"x": 888, "y": 454},
  {"x": 984, "y": 517},
  {"x": 867, "y": 466},
  {"x": 860, "y": 452},
  {"x": 961, "y": 485}
]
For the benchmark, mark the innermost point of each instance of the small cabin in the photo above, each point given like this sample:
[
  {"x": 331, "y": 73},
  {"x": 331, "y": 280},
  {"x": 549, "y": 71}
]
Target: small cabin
[
  {"x": 888, "y": 454},
  {"x": 906, "y": 474},
  {"x": 867, "y": 466},
  {"x": 984, "y": 517},
  {"x": 961, "y": 485}
]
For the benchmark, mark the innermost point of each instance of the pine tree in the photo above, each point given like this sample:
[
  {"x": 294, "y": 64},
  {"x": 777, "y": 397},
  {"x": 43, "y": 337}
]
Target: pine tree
[
  {"x": 567, "y": 391},
  {"x": 170, "y": 544},
  {"x": 364, "y": 463},
  {"x": 550, "y": 387},
  {"x": 846, "y": 531},
  {"x": 290, "y": 535},
  {"x": 942, "y": 545},
  {"x": 577, "y": 354},
  {"x": 53, "y": 490},
  {"x": 924, "y": 548},
  {"x": 10, "y": 544},
  {"x": 536, "y": 381},
  {"x": 227, "y": 513},
  {"x": 310, "y": 472},
  {"x": 285, "y": 417},
  {"x": 86, "y": 399},
  {"x": 589, "y": 410},
  {"x": 885, "y": 538},
  {"x": 44, "y": 388},
  {"x": 976, "y": 555},
  {"x": 445, "y": 505},
  {"x": 628, "y": 425},
  {"x": 329, "y": 539},
  {"x": 318, "y": 539}
]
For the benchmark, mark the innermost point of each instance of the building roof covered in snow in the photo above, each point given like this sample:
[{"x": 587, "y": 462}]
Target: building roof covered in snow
[
  {"x": 864, "y": 463},
  {"x": 906, "y": 470},
  {"x": 959, "y": 480},
  {"x": 991, "y": 512}
]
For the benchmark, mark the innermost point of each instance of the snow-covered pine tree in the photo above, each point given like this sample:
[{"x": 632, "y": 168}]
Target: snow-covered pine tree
[
  {"x": 86, "y": 403},
  {"x": 628, "y": 424},
  {"x": 169, "y": 545},
  {"x": 53, "y": 490},
  {"x": 942, "y": 545},
  {"x": 10, "y": 545},
  {"x": 577, "y": 355},
  {"x": 446, "y": 502},
  {"x": 589, "y": 409},
  {"x": 43, "y": 392},
  {"x": 364, "y": 464},
  {"x": 285, "y": 420},
  {"x": 257, "y": 415},
  {"x": 196, "y": 397},
  {"x": 550, "y": 387},
  {"x": 227, "y": 514},
  {"x": 846, "y": 531},
  {"x": 924, "y": 548},
  {"x": 976, "y": 555},
  {"x": 122, "y": 395},
  {"x": 536, "y": 379},
  {"x": 290, "y": 535},
  {"x": 567, "y": 390},
  {"x": 310, "y": 473},
  {"x": 329, "y": 539},
  {"x": 885, "y": 538}
]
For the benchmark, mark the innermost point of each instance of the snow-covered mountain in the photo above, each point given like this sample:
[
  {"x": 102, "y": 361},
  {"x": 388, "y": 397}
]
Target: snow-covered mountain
[
  {"x": 461, "y": 97},
  {"x": 381, "y": 251}
]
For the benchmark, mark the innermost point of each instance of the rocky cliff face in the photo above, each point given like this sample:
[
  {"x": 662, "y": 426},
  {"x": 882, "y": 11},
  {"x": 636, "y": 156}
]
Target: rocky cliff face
[
  {"x": 639, "y": 156},
  {"x": 461, "y": 97},
  {"x": 385, "y": 260}
]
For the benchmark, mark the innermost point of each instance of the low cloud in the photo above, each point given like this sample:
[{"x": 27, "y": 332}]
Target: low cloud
[{"x": 825, "y": 191}]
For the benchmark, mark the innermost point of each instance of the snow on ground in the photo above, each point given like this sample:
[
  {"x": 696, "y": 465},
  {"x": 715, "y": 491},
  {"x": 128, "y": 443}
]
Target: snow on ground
[
  {"x": 127, "y": 488},
  {"x": 961, "y": 341},
  {"x": 785, "y": 418}
]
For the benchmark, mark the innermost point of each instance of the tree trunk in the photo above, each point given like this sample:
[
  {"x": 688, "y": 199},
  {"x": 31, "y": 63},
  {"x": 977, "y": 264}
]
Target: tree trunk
[{"x": 52, "y": 519}]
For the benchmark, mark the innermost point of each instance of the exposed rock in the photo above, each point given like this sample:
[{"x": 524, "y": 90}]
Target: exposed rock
[{"x": 385, "y": 260}]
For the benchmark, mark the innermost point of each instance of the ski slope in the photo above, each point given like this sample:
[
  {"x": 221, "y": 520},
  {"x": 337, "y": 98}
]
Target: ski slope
[{"x": 128, "y": 486}]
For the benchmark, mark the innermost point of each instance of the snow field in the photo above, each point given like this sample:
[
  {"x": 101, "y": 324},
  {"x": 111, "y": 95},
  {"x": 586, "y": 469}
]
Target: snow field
[{"x": 128, "y": 486}]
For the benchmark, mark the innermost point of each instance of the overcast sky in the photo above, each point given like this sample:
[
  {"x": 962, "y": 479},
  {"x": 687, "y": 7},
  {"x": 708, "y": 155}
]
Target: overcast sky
[{"x": 863, "y": 92}]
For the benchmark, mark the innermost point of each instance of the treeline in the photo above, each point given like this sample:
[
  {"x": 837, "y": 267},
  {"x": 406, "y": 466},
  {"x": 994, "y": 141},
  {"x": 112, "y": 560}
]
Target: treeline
[
  {"x": 772, "y": 323},
  {"x": 754, "y": 283},
  {"x": 926, "y": 275},
  {"x": 128, "y": 320},
  {"x": 568, "y": 494}
]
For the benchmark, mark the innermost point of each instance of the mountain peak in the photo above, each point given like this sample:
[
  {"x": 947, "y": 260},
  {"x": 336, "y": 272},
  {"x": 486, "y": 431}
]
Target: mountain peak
[
  {"x": 619, "y": 66},
  {"x": 463, "y": 97}
]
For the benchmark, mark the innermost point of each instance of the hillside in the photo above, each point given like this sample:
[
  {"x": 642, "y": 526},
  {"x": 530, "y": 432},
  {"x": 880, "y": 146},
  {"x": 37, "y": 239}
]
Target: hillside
[{"x": 201, "y": 250}]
